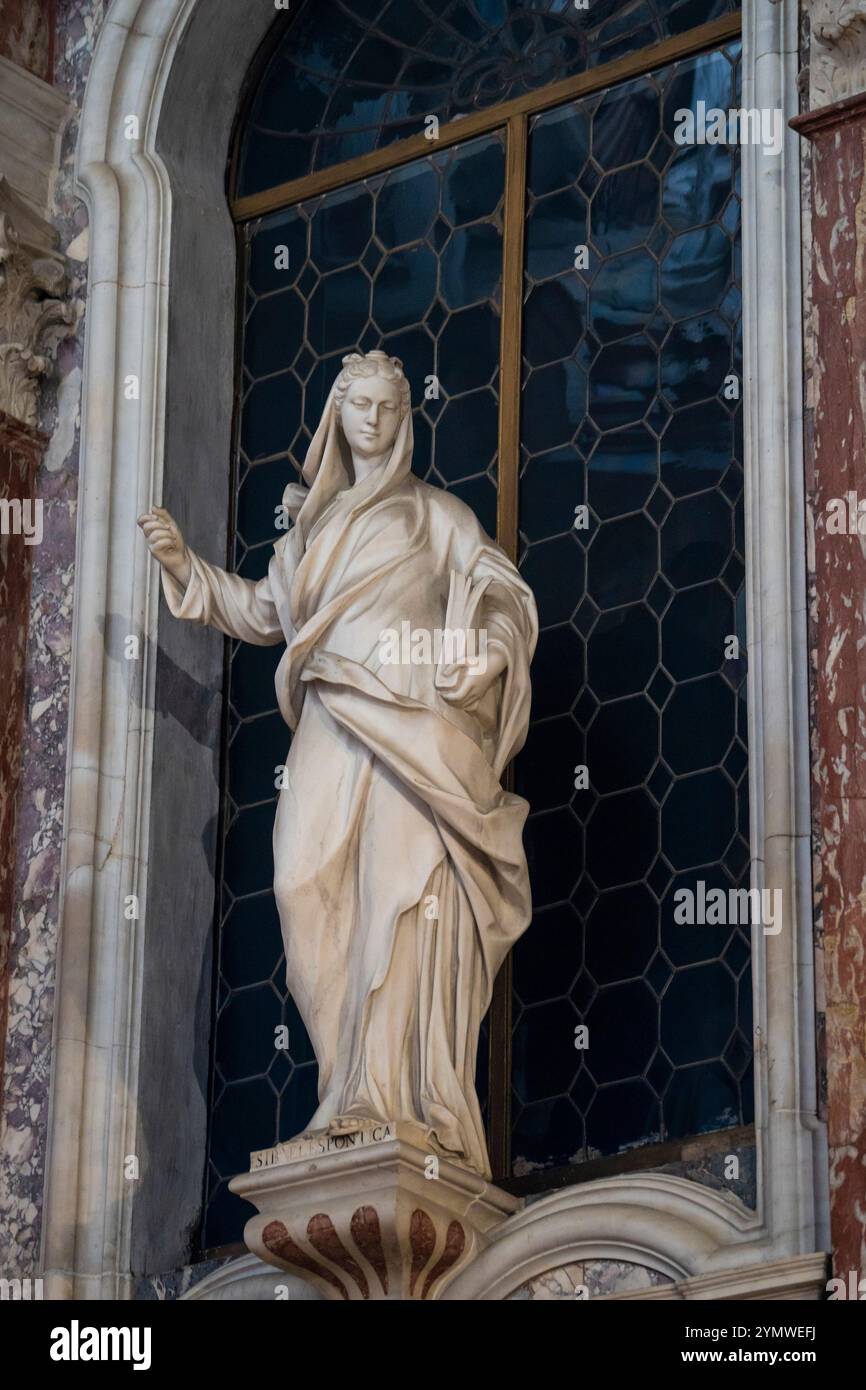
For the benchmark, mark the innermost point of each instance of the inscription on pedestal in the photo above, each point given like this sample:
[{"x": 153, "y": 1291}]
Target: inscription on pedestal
[{"x": 319, "y": 1145}]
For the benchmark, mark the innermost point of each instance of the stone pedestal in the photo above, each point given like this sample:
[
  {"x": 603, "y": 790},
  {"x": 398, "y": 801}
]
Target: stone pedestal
[{"x": 370, "y": 1215}]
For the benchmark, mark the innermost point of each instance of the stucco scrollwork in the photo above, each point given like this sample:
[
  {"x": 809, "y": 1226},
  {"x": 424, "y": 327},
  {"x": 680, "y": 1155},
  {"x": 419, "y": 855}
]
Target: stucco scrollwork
[{"x": 34, "y": 316}]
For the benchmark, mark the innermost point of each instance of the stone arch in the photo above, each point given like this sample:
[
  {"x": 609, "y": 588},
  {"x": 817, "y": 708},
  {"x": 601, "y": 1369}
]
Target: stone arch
[
  {"x": 141, "y": 777},
  {"x": 665, "y": 1224}
]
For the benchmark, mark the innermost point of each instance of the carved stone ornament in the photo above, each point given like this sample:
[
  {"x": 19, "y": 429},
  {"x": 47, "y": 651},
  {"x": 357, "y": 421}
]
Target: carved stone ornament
[
  {"x": 34, "y": 317},
  {"x": 369, "y": 1216},
  {"x": 837, "y": 58}
]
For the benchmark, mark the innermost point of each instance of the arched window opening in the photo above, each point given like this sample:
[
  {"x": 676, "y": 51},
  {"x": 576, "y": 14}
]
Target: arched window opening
[{"x": 561, "y": 280}]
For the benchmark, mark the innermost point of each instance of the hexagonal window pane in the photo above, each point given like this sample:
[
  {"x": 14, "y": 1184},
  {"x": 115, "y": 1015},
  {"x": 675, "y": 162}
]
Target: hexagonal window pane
[
  {"x": 698, "y": 819},
  {"x": 624, "y": 295},
  {"x": 467, "y": 435},
  {"x": 554, "y": 570},
  {"x": 547, "y": 971},
  {"x": 622, "y": 934},
  {"x": 556, "y": 227},
  {"x": 622, "y": 651},
  {"x": 622, "y": 562},
  {"x": 471, "y": 265},
  {"x": 274, "y": 333},
  {"x": 554, "y": 403},
  {"x": 622, "y": 471},
  {"x": 406, "y": 205},
  {"x": 625, "y": 208},
  {"x": 625, "y": 125},
  {"x": 473, "y": 181},
  {"x": 404, "y": 288},
  {"x": 554, "y": 319},
  {"x": 245, "y": 1032},
  {"x": 551, "y": 490},
  {"x": 623, "y": 1032},
  {"x": 545, "y": 1059},
  {"x": 557, "y": 671},
  {"x": 622, "y": 744},
  {"x": 340, "y": 229},
  {"x": 558, "y": 148}
]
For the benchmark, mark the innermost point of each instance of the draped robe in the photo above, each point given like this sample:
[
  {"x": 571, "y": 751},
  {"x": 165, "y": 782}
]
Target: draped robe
[{"x": 400, "y": 874}]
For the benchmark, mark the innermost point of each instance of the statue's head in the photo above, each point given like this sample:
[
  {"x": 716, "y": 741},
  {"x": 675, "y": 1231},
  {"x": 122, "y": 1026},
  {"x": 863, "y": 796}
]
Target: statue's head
[{"x": 372, "y": 399}]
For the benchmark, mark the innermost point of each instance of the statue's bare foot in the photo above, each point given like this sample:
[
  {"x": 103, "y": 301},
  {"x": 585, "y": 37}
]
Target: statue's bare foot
[{"x": 350, "y": 1124}]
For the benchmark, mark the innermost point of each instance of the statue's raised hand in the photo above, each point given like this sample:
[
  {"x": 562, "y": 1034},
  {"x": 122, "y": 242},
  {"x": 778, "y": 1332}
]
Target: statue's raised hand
[{"x": 166, "y": 543}]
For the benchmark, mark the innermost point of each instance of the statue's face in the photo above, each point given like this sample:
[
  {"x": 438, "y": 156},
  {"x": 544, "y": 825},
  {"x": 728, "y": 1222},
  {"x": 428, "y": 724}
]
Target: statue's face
[{"x": 370, "y": 415}]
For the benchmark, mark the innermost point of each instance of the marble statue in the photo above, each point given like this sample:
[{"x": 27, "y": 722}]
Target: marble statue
[{"x": 400, "y": 874}]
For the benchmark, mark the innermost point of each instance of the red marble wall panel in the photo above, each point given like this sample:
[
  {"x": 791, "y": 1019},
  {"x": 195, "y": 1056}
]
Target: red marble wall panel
[
  {"x": 27, "y": 35},
  {"x": 838, "y": 618},
  {"x": 20, "y": 452}
]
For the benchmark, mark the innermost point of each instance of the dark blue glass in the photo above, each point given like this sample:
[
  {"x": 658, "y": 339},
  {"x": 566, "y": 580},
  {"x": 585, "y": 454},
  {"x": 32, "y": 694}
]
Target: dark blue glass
[
  {"x": 251, "y": 945},
  {"x": 252, "y": 769},
  {"x": 622, "y": 471},
  {"x": 623, "y": 561},
  {"x": 623, "y": 1032},
  {"x": 621, "y": 652},
  {"x": 545, "y": 1059},
  {"x": 551, "y": 489},
  {"x": 346, "y": 77},
  {"x": 246, "y": 1032},
  {"x": 698, "y": 725},
  {"x": 557, "y": 671},
  {"x": 699, "y": 818},
  {"x": 621, "y": 934},
  {"x": 624, "y": 295},
  {"x": 554, "y": 320},
  {"x": 620, "y": 1115},
  {"x": 543, "y": 974},
  {"x": 647, "y": 315},
  {"x": 554, "y": 748},
  {"x": 622, "y": 744}
]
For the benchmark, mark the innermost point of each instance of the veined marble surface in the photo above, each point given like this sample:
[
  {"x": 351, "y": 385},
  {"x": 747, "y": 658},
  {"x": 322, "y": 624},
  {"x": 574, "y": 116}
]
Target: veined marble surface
[
  {"x": 592, "y": 1279},
  {"x": 23, "y": 1119}
]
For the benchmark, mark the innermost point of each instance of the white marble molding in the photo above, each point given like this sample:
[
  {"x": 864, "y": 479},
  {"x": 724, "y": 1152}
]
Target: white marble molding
[{"x": 677, "y": 1227}]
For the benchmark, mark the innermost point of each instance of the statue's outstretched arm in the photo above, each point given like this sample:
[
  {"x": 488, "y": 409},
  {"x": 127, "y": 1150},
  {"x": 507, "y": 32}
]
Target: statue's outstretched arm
[{"x": 204, "y": 593}]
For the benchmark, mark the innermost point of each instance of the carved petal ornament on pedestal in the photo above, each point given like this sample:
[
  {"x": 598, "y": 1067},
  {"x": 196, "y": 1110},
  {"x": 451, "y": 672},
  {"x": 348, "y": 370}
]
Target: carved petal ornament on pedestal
[{"x": 365, "y": 1217}]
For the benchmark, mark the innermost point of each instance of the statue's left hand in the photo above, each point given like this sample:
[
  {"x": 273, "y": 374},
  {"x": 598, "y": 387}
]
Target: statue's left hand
[
  {"x": 166, "y": 543},
  {"x": 466, "y": 666}
]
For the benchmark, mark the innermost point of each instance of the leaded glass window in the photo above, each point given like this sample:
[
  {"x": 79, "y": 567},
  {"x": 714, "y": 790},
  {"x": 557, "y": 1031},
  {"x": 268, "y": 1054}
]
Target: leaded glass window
[
  {"x": 351, "y": 76},
  {"x": 622, "y": 412},
  {"x": 616, "y": 254}
]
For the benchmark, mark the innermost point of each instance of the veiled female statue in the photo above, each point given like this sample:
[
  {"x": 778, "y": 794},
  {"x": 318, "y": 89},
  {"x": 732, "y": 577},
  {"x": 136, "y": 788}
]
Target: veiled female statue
[{"x": 400, "y": 874}]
